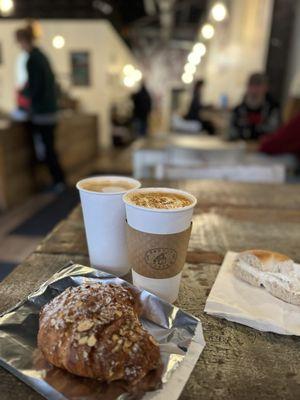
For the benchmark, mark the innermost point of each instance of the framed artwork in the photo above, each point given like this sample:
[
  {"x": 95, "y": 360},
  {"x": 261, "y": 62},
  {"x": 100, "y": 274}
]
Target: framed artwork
[
  {"x": 1, "y": 54},
  {"x": 80, "y": 68}
]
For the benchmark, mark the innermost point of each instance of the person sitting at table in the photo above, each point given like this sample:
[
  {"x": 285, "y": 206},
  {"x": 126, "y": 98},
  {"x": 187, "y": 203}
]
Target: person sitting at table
[
  {"x": 285, "y": 140},
  {"x": 196, "y": 106},
  {"x": 258, "y": 112}
]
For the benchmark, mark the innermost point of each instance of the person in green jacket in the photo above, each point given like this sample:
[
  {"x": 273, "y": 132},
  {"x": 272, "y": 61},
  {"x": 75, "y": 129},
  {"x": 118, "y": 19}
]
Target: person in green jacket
[{"x": 43, "y": 103}]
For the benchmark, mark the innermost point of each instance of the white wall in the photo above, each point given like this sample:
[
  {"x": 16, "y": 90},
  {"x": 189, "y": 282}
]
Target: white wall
[
  {"x": 238, "y": 48},
  {"x": 108, "y": 55}
]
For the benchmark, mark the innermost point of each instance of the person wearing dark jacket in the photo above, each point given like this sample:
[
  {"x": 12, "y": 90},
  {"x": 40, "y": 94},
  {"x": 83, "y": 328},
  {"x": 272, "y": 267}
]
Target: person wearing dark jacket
[
  {"x": 195, "y": 108},
  {"x": 43, "y": 103},
  {"x": 142, "y": 105},
  {"x": 258, "y": 114}
]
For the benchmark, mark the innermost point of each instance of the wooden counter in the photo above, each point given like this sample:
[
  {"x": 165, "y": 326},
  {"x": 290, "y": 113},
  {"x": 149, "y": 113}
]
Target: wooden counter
[
  {"x": 16, "y": 175},
  {"x": 76, "y": 141}
]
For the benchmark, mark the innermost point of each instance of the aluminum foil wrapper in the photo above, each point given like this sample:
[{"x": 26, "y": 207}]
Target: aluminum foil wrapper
[{"x": 179, "y": 335}]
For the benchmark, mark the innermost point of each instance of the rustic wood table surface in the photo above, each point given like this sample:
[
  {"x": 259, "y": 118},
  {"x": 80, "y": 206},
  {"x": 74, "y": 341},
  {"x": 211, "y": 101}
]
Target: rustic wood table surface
[{"x": 238, "y": 362}]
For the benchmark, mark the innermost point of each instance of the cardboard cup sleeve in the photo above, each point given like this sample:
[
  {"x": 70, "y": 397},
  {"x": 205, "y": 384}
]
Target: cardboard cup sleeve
[{"x": 155, "y": 255}]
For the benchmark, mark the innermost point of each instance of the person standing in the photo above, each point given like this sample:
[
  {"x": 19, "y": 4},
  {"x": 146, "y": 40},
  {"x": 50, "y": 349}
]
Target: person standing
[
  {"x": 195, "y": 108},
  {"x": 142, "y": 105},
  {"x": 41, "y": 90}
]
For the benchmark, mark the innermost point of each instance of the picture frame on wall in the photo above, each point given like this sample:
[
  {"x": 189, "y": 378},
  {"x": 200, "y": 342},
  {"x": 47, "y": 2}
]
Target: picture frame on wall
[
  {"x": 1, "y": 54},
  {"x": 80, "y": 68}
]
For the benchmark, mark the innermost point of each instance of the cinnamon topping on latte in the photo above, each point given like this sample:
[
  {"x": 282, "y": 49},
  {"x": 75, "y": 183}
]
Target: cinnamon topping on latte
[{"x": 159, "y": 200}]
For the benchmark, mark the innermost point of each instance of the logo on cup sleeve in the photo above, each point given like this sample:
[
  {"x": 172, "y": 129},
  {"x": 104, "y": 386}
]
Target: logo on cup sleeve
[{"x": 160, "y": 258}]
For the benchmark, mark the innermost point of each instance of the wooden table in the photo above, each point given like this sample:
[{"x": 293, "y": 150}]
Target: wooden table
[
  {"x": 207, "y": 157},
  {"x": 238, "y": 362},
  {"x": 182, "y": 149}
]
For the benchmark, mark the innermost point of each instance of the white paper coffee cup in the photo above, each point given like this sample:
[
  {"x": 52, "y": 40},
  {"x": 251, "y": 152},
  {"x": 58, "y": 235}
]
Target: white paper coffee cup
[
  {"x": 160, "y": 222},
  {"x": 104, "y": 221}
]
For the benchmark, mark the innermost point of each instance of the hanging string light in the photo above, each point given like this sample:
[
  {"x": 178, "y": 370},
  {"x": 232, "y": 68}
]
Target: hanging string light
[
  {"x": 128, "y": 69},
  {"x": 219, "y": 11},
  {"x": 58, "y": 42},
  {"x": 189, "y": 68},
  {"x": 194, "y": 58},
  {"x": 187, "y": 78},
  {"x": 132, "y": 75},
  {"x": 129, "y": 81},
  {"x": 207, "y": 31},
  {"x": 6, "y": 7},
  {"x": 199, "y": 48}
]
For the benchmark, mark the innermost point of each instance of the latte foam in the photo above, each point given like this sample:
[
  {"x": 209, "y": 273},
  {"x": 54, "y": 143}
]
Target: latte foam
[
  {"x": 158, "y": 200},
  {"x": 107, "y": 186}
]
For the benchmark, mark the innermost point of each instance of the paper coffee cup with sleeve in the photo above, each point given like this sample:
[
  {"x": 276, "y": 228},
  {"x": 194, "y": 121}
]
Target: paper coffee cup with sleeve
[{"x": 159, "y": 224}]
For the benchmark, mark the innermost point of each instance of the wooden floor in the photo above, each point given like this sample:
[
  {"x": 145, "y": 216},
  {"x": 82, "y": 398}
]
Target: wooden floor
[{"x": 15, "y": 248}]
